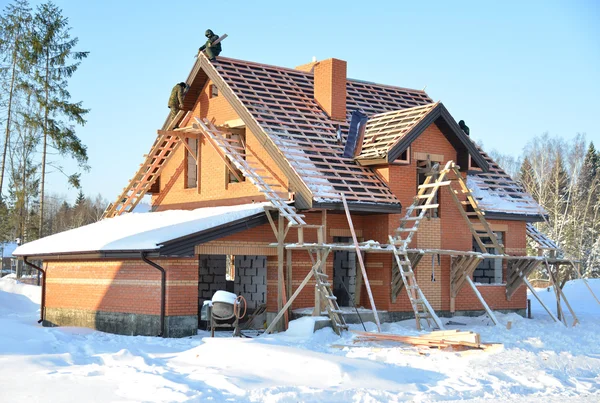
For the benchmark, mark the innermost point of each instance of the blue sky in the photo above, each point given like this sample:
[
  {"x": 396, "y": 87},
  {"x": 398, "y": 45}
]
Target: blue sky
[{"x": 511, "y": 69}]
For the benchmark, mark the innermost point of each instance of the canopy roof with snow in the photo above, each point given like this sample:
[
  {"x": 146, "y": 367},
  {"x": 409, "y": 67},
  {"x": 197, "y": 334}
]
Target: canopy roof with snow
[{"x": 173, "y": 232}]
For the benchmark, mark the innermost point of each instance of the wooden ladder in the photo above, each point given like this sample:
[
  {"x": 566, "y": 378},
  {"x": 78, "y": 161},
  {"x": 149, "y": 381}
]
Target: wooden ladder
[
  {"x": 409, "y": 225},
  {"x": 163, "y": 148},
  {"x": 232, "y": 151},
  {"x": 333, "y": 310},
  {"x": 420, "y": 305}
]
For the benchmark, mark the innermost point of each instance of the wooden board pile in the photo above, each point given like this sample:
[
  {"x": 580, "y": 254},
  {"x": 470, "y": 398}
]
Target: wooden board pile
[{"x": 452, "y": 339}]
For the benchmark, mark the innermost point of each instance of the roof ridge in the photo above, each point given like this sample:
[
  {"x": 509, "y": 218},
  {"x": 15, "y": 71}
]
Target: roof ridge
[
  {"x": 310, "y": 74},
  {"x": 359, "y": 81}
]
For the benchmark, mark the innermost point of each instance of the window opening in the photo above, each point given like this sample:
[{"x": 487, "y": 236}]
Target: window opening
[
  {"x": 191, "y": 179},
  {"x": 424, "y": 169},
  {"x": 489, "y": 271},
  {"x": 241, "y": 142}
]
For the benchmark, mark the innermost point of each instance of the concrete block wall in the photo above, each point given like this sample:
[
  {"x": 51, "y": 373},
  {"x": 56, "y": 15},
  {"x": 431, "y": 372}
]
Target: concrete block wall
[
  {"x": 212, "y": 276},
  {"x": 251, "y": 279}
]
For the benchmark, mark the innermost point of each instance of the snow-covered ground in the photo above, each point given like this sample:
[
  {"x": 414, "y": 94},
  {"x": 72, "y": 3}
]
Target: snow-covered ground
[{"x": 540, "y": 361}]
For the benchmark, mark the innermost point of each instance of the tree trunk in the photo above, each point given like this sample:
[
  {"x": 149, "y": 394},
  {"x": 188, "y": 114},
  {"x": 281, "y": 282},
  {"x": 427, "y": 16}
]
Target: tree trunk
[
  {"x": 43, "y": 178},
  {"x": 10, "y": 102}
]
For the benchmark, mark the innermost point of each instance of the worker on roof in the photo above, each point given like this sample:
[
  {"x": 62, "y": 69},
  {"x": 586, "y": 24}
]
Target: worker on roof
[
  {"x": 176, "y": 99},
  {"x": 212, "y": 51},
  {"x": 464, "y": 127}
]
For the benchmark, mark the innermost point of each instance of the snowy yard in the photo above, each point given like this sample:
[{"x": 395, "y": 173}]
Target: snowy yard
[{"x": 540, "y": 361}]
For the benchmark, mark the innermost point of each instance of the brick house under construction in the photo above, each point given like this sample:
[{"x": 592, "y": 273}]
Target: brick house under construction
[{"x": 266, "y": 162}]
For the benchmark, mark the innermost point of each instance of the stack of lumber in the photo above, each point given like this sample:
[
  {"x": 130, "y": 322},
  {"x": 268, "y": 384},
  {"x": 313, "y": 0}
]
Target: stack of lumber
[{"x": 439, "y": 339}]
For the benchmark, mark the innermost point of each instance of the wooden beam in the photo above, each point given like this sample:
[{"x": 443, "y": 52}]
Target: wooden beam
[
  {"x": 560, "y": 294},
  {"x": 361, "y": 263},
  {"x": 288, "y": 273},
  {"x": 489, "y": 312},
  {"x": 273, "y": 227},
  {"x": 291, "y": 300},
  {"x": 305, "y": 195},
  {"x": 280, "y": 263}
]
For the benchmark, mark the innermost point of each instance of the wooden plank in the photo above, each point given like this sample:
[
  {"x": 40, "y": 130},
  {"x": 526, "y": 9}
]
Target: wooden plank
[
  {"x": 361, "y": 263},
  {"x": 280, "y": 262},
  {"x": 301, "y": 189},
  {"x": 289, "y": 276},
  {"x": 489, "y": 312},
  {"x": 290, "y": 301}
]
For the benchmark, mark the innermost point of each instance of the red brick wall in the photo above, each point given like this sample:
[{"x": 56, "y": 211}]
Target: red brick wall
[
  {"x": 122, "y": 286},
  {"x": 213, "y": 188}
]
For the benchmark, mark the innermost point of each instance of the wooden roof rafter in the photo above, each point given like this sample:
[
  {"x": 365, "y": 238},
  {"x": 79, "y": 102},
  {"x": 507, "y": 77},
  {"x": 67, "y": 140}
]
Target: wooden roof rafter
[{"x": 388, "y": 135}]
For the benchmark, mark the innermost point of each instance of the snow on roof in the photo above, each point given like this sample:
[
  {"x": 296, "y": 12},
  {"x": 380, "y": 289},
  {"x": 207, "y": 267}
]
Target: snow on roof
[
  {"x": 492, "y": 200},
  {"x": 138, "y": 231}
]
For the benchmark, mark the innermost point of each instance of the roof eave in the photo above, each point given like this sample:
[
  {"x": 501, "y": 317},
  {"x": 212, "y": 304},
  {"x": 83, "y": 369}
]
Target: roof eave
[
  {"x": 498, "y": 215},
  {"x": 439, "y": 111},
  {"x": 373, "y": 208}
]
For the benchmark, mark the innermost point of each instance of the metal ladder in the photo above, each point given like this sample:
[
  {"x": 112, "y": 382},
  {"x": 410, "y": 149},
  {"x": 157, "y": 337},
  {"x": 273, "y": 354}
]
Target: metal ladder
[{"x": 163, "y": 148}]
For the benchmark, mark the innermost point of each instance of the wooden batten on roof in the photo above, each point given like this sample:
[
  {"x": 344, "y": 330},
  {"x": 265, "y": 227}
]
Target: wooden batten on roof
[
  {"x": 281, "y": 101},
  {"x": 388, "y": 135},
  {"x": 303, "y": 193}
]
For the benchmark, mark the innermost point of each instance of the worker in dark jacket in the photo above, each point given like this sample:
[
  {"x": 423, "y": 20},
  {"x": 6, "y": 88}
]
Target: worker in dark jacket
[
  {"x": 464, "y": 127},
  {"x": 212, "y": 51},
  {"x": 176, "y": 99}
]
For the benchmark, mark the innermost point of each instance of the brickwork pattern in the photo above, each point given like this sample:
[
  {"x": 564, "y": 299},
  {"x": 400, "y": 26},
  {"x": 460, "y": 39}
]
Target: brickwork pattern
[
  {"x": 122, "y": 286},
  {"x": 213, "y": 188}
]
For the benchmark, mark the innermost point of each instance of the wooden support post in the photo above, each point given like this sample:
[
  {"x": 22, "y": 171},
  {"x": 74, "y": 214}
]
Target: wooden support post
[
  {"x": 559, "y": 293},
  {"x": 280, "y": 263},
  {"x": 318, "y": 305},
  {"x": 528, "y": 284},
  {"x": 289, "y": 277},
  {"x": 361, "y": 263},
  {"x": 359, "y": 283},
  {"x": 289, "y": 303},
  {"x": 489, "y": 312}
]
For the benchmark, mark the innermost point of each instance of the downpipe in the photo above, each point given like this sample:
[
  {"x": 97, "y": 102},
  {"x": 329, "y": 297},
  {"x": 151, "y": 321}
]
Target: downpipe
[
  {"x": 43, "y": 302},
  {"x": 163, "y": 290}
]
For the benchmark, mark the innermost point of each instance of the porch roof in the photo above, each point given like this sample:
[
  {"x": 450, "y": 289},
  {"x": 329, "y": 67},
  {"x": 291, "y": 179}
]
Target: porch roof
[{"x": 137, "y": 232}]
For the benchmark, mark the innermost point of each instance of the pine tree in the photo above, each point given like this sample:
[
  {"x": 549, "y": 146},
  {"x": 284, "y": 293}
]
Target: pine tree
[
  {"x": 527, "y": 177},
  {"x": 80, "y": 199},
  {"x": 15, "y": 37},
  {"x": 55, "y": 62},
  {"x": 23, "y": 182},
  {"x": 589, "y": 170}
]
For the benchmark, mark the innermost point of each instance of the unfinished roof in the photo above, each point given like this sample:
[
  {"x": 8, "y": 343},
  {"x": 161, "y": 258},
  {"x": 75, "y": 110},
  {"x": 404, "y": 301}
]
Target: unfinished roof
[
  {"x": 282, "y": 102},
  {"x": 138, "y": 231},
  {"x": 388, "y": 135},
  {"x": 279, "y": 103},
  {"x": 497, "y": 193}
]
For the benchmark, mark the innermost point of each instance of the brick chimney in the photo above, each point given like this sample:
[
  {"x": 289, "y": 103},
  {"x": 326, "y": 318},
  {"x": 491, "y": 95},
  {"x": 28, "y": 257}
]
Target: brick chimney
[{"x": 330, "y": 87}]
